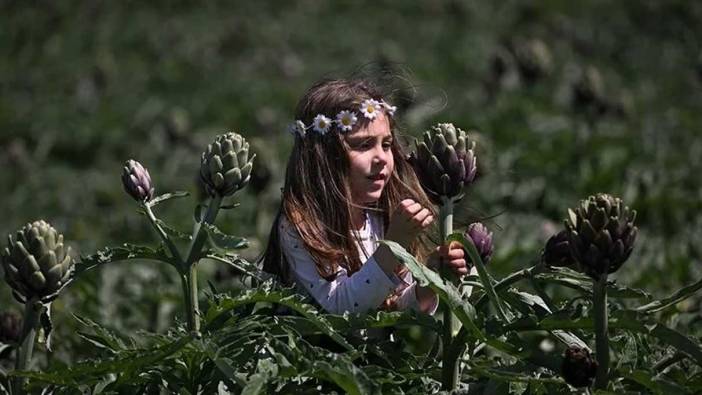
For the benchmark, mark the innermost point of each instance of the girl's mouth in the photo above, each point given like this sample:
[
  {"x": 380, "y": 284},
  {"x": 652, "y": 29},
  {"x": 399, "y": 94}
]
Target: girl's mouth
[{"x": 377, "y": 177}]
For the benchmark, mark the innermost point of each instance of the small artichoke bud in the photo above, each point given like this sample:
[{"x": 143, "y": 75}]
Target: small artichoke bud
[
  {"x": 601, "y": 234},
  {"x": 482, "y": 238},
  {"x": 556, "y": 253},
  {"x": 36, "y": 263},
  {"x": 137, "y": 181},
  {"x": 578, "y": 368},
  {"x": 444, "y": 162},
  {"x": 10, "y": 327},
  {"x": 226, "y": 165}
]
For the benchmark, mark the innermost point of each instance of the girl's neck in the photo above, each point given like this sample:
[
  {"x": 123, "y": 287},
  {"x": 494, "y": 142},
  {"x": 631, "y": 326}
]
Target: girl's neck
[{"x": 358, "y": 218}]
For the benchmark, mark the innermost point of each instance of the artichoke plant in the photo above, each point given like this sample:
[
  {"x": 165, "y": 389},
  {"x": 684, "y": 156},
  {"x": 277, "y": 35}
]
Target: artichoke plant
[
  {"x": 601, "y": 234},
  {"x": 225, "y": 166},
  {"x": 37, "y": 264},
  {"x": 556, "y": 253},
  {"x": 482, "y": 238},
  {"x": 578, "y": 367},
  {"x": 445, "y": 162},
  {"x": 137, "y": 181}
]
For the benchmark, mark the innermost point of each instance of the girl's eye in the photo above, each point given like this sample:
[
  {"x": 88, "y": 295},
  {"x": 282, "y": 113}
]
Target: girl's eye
[{"x": 387, "y": 146}]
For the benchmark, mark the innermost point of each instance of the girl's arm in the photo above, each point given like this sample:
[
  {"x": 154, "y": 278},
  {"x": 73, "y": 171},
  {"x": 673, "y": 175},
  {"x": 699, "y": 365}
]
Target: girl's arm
[{"x": 364, "y": 291}]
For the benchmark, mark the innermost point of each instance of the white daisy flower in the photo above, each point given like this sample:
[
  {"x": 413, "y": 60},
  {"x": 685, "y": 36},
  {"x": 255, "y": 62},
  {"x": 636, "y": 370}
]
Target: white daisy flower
[
  {"x": 346, "y": 119},
  {"x": 390, "y": 110},
  {"x": 297, "y": 127},
  {"x": 321, "y": 124},
  {"x": 369, "y": 108}
]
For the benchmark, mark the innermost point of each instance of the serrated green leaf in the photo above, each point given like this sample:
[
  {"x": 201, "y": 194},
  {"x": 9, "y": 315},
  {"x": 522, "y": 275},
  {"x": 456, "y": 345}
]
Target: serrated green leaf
[
  {"x": 224, "y": 241},
  {"x": 447, "y": 292},
  {"x": 167, "y": 196},
  {"x": 92, "y": 372},
  {"x": 122, "y": 253},
  {"x": 482, "y": 273},
  {"x": 173, "y": 232},
  {"x": 288, "y": 298},
  {"x": 240, "y": 265},
  {"x": 101, "y": 337},
  {"x": 675, "y": 298}
]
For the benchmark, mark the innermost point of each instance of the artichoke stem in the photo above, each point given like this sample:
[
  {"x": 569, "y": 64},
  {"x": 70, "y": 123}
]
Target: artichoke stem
[
  {"x": 450, "y": 362},
  {"x": 199, "y": 236},
  {"x": 29, "y": 331},
  {"x": 164, "y": 237},
  {"x": 191, "y": 301},
  {"x": 601, "y": 333},
  {"x": 190, "y": 269}
]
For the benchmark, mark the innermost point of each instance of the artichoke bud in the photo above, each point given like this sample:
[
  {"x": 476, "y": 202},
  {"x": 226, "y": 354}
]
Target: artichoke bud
[
  {"x": 578, "y": 368},
  {"x": 10, "y": 327},
  {"x": 40, "y": 271},
  {"x": 482, "y": 238},
  {"x": 137, "y": 181},
  {"x": 444, "y": 162},
  {"x": 225, "y": 165},
  {"x": 556, "y": 253},
  {"x": 601, "y": 234}
]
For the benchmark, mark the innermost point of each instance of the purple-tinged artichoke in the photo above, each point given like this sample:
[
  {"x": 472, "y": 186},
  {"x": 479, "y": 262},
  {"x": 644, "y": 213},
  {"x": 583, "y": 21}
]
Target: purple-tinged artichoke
[
  {"x": 444, "y": 162},
  {"x": 601, "y": 234},
  {"x": 10, "y": 327},
  {"x": 37, "y": 265},
  {"x": 226, "y": 165},
  {"x": 556, "y": 253},
  {"x": 482, "y": 238},
  {"x": 578, "y": 368},
  {"x": 137, "y": 181}
]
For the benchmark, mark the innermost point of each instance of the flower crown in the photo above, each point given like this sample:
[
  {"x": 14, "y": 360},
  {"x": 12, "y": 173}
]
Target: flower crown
[{"x": 345, "y": 119}]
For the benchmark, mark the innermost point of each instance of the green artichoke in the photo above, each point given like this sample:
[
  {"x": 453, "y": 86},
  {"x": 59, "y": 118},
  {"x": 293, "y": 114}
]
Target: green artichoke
[
  {"x": 601, "y": 234},
  {"x": 444, "y": 162},
  {"x": 226, "y": 165},
  {"x": 37, "y": 265}
]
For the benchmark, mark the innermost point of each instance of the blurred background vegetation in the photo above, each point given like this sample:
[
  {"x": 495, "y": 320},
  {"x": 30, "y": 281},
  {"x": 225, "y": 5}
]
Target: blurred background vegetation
[{"x": 568, "y": 98}]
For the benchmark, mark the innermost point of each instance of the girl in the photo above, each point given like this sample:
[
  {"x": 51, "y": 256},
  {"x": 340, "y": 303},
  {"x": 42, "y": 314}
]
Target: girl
[{"x": 348, "y": 185}]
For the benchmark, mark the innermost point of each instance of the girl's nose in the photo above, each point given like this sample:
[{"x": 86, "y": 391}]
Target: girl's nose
[{"x": 380, "y": 156}]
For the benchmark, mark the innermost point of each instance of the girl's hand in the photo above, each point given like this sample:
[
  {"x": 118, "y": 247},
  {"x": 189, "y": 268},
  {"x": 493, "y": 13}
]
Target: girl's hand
[
  {"x": 451, "y": 256},
  {"x": 407, "y": 221}
]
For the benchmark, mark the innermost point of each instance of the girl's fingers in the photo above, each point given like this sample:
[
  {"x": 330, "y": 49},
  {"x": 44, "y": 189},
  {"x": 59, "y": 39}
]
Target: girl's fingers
[
  {"x": 457, "y": 263},
  {"x": 421, "y": 216},
  {"x": 456, "y": 254},
  {"x": 413, "y": 209},
  {"x": 427, "y": 221}
]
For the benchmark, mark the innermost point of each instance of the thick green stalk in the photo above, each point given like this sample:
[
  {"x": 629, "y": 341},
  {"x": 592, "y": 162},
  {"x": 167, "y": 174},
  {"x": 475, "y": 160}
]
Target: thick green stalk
[
  {"x": 450, "y": 364},
  {"x": 162, "y": 234},
  {"x": 190, "y": 270},
  {"x": 29, "y": 331},
  {"x": 191, "y": 314},
  {"x": 601, "y": 333}
]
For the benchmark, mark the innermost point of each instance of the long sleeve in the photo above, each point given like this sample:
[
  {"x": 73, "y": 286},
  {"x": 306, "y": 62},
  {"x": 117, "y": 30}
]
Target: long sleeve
[
  {"x": 365, "y": 290},
  {"x": 408, "y": 296}
]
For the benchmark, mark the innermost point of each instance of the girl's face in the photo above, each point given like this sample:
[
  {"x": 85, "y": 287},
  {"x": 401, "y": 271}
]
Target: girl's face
[{"x": 371, "y": 159}]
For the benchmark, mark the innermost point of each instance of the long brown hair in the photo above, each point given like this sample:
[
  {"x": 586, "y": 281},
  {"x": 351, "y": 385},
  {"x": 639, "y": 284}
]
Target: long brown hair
[{"x": 316, "y": 196}]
